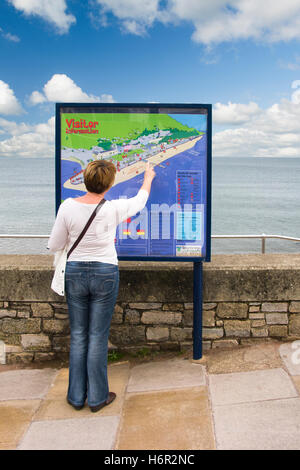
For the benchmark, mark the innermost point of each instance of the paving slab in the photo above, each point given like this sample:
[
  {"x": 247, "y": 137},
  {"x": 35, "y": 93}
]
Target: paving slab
[
  {"x": 242, "y": 387},
  {"x": 166, "y": 420},
  {"x": 257, "y": 357},
  {"x": 290, "y": 354},
  {"x": 98, "y": 433},
  {"x": 25, "y": 384},
  {"x": 296, "y": 380},
  {"x": 166, "y": 375},
  {"x": 55, "y": 405},
  {"x": 267, "y": 425},
  {"x": 15, "y": 417}
]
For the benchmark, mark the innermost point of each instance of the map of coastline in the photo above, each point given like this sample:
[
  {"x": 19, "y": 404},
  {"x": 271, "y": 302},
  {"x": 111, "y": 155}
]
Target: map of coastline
[{"x": 127, "y": 140}]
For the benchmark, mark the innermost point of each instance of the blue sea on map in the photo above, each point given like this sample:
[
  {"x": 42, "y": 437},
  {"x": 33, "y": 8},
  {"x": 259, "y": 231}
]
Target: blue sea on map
[
  {"x": 69, "y": 168},
  {"x": 164, "y": 185},
  {"x": 249, "y": 196}
]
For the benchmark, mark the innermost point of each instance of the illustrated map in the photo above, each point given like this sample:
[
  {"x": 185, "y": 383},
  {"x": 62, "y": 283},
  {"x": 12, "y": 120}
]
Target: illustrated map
[{"x": 173, "y": 222}]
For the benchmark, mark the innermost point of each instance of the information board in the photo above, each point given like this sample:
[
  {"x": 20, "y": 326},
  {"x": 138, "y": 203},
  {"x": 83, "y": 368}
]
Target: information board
[{"x": 176, "y": 140}]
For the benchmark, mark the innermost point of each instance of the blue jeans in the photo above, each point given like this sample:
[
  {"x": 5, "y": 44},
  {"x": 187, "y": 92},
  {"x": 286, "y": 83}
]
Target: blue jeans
[{"x": 91, "y": 292}]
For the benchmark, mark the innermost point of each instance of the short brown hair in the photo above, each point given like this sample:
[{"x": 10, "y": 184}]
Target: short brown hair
[{"x": 99, "y": 176}]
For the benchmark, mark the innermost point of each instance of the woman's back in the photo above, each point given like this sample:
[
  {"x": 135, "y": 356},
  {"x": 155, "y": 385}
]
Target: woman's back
[{"x": 98, "y": 244}]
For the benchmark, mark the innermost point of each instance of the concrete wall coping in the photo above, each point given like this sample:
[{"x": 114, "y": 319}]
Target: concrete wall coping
[{"x": 219, "y": 262}]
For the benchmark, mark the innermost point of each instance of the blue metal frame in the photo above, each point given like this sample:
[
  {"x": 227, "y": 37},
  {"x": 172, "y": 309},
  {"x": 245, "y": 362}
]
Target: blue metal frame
[
  {"x": 208, "y": 182},
  {"x": 57, "y": 157},
  {"x": 117, "y": 107},
  {"x": 197, "y": 318}
]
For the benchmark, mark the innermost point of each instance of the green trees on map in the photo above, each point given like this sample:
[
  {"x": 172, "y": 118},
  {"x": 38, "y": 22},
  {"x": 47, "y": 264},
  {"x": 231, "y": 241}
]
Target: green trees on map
[
  {"x": 122, "y": 128},
  {"x": 179, "y": 134}
]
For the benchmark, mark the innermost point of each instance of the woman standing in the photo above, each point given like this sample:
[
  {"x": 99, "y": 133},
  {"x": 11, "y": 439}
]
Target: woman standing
[{"x": 92, "y": 278}]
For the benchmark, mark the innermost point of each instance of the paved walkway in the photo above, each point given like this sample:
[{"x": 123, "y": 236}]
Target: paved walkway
[{"x": 243, "y": 398}]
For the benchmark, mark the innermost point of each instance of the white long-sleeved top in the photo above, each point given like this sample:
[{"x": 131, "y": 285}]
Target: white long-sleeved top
[{"x": 98, "y": 243}]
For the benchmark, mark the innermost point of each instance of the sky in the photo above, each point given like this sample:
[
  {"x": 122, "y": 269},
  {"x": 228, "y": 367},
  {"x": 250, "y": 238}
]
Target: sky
[{"x": 241, "y": 56}]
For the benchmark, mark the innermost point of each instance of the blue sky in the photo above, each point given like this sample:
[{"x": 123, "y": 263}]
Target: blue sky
[{"x": 242, "y": 56}]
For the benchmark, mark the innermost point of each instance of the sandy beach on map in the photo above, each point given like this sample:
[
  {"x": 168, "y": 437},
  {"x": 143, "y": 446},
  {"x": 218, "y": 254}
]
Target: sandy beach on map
[{"x": 139, "y": 167}]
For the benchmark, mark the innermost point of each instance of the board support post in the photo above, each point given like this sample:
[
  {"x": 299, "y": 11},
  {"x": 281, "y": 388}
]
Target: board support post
[{"x": 197, "y": 299}]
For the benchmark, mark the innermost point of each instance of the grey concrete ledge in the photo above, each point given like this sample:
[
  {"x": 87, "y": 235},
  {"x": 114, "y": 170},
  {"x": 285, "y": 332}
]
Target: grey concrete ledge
[{"x": 245, "y": 261}]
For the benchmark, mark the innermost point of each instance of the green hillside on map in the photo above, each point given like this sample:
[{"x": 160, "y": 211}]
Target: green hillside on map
[{"x": 120, "y": 128}]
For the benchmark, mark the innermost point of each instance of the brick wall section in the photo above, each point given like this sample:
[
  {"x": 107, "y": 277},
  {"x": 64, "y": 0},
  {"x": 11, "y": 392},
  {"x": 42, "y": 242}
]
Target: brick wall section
[{"x": 149, "y": 312}]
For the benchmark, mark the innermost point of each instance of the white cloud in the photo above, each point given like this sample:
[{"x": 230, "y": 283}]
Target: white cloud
[
  {"x": 28, "y": 140},
  {"x": 13, "y": 128},
  {"x": 273, "y": 132},
  {"x": 61, "y": 88},
  {"x": 296, "y": 93},
  {"x": 8, "y": 102},
  {"x": 214, "y": 21},
  {"x": 145, "y": 10},
  {"x": 52, "y": 11},
  {"x": 234, "y": 113},
  {"x": 36, "y": 98},
  {"x": 252, "y": 131},
  {"x": 25, "y": 140},
  {"x": 295, "y": 65},
  {"x": 106, "y": 98},
  {"x": 9, "y": 36},
  {"x": 221, "y": 20},
  {"x": 136, "y": 16}
]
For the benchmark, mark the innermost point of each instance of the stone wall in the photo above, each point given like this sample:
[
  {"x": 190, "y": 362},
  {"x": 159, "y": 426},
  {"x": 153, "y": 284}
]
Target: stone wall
[{"x": 245, "y": 299}]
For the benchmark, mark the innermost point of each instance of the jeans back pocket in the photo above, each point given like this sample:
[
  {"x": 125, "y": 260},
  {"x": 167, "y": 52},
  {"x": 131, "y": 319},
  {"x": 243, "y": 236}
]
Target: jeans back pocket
[{"x": 103, "y": 284}]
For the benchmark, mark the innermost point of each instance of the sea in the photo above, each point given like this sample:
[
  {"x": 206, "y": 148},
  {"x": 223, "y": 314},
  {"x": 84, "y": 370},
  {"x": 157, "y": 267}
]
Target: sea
[{"x": 250, "y": 196}]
